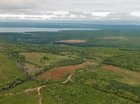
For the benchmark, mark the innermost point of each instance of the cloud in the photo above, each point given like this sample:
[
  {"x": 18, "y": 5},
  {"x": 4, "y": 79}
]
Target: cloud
[
  {"x": 70, "y": 5},
  {"x": 69, "y": 9},
  {"x": 137, "y": 13},
  {"x": 52, "y": 15},
  {"x": 46, "y": 16},
  {"x": 57, "y": 15},
  {"x": 11, "y": 5},
  {"x": 98, "y": 14}
]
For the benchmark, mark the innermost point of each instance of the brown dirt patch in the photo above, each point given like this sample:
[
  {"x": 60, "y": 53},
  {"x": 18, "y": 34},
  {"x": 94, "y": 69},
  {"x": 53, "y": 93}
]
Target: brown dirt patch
[
  {"x": 133, "y": 74},
  {"x": 72, "y": 41},
  {"x": 58, "y": 73}
]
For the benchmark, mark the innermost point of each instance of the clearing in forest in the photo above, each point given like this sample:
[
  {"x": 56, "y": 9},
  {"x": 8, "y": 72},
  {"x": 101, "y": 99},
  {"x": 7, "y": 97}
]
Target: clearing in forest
[
  {"x": 59, "y": 72},
  {"x": 72, "y": 41}
]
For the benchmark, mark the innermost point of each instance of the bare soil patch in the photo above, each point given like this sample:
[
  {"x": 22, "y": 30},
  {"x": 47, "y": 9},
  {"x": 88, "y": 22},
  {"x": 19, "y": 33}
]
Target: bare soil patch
[
  {"x": 72, "y": 41},
  {"x": 58, "y": 73},
  {"x": 133, "y": 74}
]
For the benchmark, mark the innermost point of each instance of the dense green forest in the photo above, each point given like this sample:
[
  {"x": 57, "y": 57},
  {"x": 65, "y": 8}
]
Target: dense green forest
[{"x": 102, "y": 38}]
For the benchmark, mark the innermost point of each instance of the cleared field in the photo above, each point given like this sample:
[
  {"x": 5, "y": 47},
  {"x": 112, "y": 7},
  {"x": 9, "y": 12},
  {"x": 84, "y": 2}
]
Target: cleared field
[
  {"x": 131, "y": 77},
  {"x": 59, "y": 72},
  {"x": 8, "y": 70},
  {"x": 42, "y": 59},
  {"x": 72, "y": 41}
]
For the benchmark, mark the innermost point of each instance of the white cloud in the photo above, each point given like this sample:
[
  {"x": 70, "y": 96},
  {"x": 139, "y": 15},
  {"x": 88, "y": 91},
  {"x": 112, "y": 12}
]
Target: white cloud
[
  {"x": 69, "y": 9},
  {"x": 86, "y": 15},
  {"x": 26, "y": 17},
  {"x": 98, "y": 14},
  {"x": 46, "y": 16},
  {"x": 137, "y": 13},
  {"x": 56, "y": 15},
  {"x": 58, "y": 12},
  {"x": 7, "y": 6}
]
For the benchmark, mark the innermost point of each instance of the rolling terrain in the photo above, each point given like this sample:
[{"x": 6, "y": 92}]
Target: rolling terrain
[{"x": 70, "y": 67}]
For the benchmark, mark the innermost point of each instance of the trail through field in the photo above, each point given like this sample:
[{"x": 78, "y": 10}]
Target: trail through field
[
  {"x": 133, "y": 74},
  {"x": 55, "y": 73},
  {"x": 68, "y": 79},
  {"x": 38, "y": 89},
  {"x": 59, "y": 72},
  {"x": 39, "y": 95}
]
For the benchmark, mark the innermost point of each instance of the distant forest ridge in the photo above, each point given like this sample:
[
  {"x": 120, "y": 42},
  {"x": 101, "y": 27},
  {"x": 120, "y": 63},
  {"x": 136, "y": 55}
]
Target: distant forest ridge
[{"x": 71, "y": 24}]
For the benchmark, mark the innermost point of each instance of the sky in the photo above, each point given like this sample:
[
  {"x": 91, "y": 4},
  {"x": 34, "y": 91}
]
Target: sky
[{"x": 70, "y": 9}]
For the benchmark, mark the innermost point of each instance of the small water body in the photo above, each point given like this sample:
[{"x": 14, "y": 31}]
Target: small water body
[{"x": 22, "y": 29}]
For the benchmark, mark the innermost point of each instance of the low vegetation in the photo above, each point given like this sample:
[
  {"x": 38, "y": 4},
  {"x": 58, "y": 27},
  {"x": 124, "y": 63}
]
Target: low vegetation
[
  {"x": 62, "y": 68},
  {"x": 10, "y": 74}
]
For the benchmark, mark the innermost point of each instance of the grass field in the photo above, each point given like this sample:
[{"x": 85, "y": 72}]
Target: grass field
[
  {"x": 26, "y": 98},
  {"x": 42, "y": 59},
  {"x": 8, "y": 70}
]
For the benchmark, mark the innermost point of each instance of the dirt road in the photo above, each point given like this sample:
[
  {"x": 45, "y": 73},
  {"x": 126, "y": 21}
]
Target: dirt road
[{"x": 68, "y": 79}]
